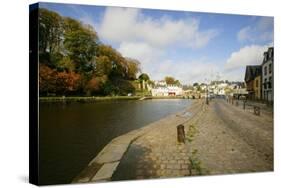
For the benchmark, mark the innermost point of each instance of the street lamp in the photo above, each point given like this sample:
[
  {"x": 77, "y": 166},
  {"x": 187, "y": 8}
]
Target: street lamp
[{"x": 207, "y": 93}]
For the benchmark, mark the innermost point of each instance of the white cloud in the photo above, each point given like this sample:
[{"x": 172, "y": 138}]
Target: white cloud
[
  {"x": 235, "y": 66},
  {"x": 248, "y": 55},
  {"x": 261, "y": 31},
  {"x": 130, "y": 25},
  {"x": 158, "y": 65},
  {"x": 141, "y": 51}
]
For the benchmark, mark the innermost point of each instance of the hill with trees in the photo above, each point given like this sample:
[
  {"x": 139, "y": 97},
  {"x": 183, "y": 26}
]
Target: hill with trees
[{"x": 73, "y": 61}]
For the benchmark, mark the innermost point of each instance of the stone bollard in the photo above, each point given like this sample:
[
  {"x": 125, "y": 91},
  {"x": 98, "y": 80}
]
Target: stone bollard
[
  {"x": 181, "y": 133},
  {"x": 257, "y": 111}
]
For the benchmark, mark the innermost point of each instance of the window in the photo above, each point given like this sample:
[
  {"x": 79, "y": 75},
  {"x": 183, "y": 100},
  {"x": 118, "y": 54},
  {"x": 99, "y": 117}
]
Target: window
[
  {"x": 270, "y": 68},
  {"x": 265, "y": 70},
  {"x": 269, "y": 82},
  {"x": 265, "y": 83}
]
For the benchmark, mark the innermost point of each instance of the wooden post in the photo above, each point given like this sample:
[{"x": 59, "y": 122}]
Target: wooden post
[{"x": 181, "y": 133}]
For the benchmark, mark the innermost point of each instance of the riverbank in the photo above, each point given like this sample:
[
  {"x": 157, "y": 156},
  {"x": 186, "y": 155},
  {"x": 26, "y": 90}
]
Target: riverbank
[
  {"x": 105, "y": 98},
  {"x": 102, "y": 167},
  {"x": 221, "y": 138}
]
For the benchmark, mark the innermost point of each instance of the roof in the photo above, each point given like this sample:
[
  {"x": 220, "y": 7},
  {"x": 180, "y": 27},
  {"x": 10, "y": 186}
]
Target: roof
[
  {"x": 268, "y": 55},
  {"x": 252, "y": 71}
]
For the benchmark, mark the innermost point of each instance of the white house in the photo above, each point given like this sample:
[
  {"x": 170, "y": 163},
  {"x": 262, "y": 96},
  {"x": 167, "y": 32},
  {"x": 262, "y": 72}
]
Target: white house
[{"x": 162, "y": 89}]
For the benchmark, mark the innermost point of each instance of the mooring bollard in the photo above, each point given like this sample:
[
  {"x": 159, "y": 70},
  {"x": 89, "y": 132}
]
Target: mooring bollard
[
  {"x": 257, "y": 110},
  {"x": 181, "y": 133}
]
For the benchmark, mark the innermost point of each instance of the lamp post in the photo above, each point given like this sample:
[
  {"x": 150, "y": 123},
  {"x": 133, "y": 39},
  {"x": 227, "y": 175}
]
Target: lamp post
[
  {"x": 207, "y": 98},
  {"x": 207, "y": 92}
]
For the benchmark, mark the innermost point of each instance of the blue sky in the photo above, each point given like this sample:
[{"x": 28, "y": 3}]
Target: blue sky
[{"x": 190, "y": 46}]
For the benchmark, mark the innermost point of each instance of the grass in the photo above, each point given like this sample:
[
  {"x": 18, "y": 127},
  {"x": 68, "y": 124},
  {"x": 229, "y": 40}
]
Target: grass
[
  {"x": 191, "y": 132},
  {"x": 93, "y": 98},
  {"x": 87, "y": 99},
  {"x": 196, "y": 165}
]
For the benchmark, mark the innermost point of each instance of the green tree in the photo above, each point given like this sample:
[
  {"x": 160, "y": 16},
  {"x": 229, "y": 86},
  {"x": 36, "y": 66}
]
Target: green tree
[
  {"x": 103, "y": 65},
  {"x": 195, "y": 84},
  {"x": 117, "y": 60},
  {"x": 80, "y": 43},
  {"x": 50, "y": 34},
  {"x": 144, "y": 77}
]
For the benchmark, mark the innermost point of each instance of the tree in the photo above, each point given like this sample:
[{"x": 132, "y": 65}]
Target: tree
[
  {"x": 67, "y": 83},
  {"x": 74, "y": 61},
  {"x": 51, "y": 81},
  {"x": 47, "y": 80},
  {"x": 132, "y": 68},
  {"x": 80, "y": 43},
  {"x": 95, "y": 85},
  {"x": 103, "y": 65},
  {"x": 195, "y": 84},
  {"x": 144, "y": 77},
  {"x": 119, "y": 66},
  {"x": 65, "y": 64},
  {"x": 50, "y": 34},
  {"x": 171, "y": 81}
]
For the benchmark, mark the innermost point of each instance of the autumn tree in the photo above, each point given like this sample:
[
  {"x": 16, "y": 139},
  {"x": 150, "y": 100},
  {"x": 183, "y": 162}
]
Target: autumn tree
[
  {"x": 73, "y": 61},
  {"x": 132, "y": 68},
  {"x": 103, "y": 65},
  {"x": 51, "y": 81},
  {"x": 47, "y": 80},
  {"x": 171, "y": 81}
]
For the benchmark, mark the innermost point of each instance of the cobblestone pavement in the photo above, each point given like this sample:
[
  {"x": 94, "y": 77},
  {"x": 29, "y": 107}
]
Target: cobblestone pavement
[
  {"x": 220, "y": 138},
  {"x": 158, "y": 154}
]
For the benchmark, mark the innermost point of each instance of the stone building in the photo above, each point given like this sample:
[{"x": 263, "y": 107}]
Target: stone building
[
  {"x": 253, "y": 81},
  {"x": 268, "y": 75}
]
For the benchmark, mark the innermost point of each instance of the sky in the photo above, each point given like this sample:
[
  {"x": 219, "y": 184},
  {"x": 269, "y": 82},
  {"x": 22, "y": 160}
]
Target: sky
[{"x": 189, "y": 46}]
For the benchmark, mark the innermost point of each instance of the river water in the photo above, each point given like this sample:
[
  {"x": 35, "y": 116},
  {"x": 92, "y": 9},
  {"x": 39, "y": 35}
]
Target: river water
[{"x": 71, "y": 135}]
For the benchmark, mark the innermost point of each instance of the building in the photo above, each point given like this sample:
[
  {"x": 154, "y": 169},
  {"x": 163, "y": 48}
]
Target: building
[
  {"x": 253, "y": 81},
  {"x": 268, "y": 75},
  {"x": 162, "y": 89},
  {"x": 258, "y": 87}
]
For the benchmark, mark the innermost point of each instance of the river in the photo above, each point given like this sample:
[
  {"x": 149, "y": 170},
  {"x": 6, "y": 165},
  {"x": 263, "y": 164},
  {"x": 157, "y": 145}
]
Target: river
[{"x": 71, "y": 135}]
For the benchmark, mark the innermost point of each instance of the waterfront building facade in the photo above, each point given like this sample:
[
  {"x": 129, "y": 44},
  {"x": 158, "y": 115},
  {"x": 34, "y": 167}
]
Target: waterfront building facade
[
  {"x": 163, "y": 89},
  {"x": 252, "y": 79},
  {"x": 268, "y": 75}
]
